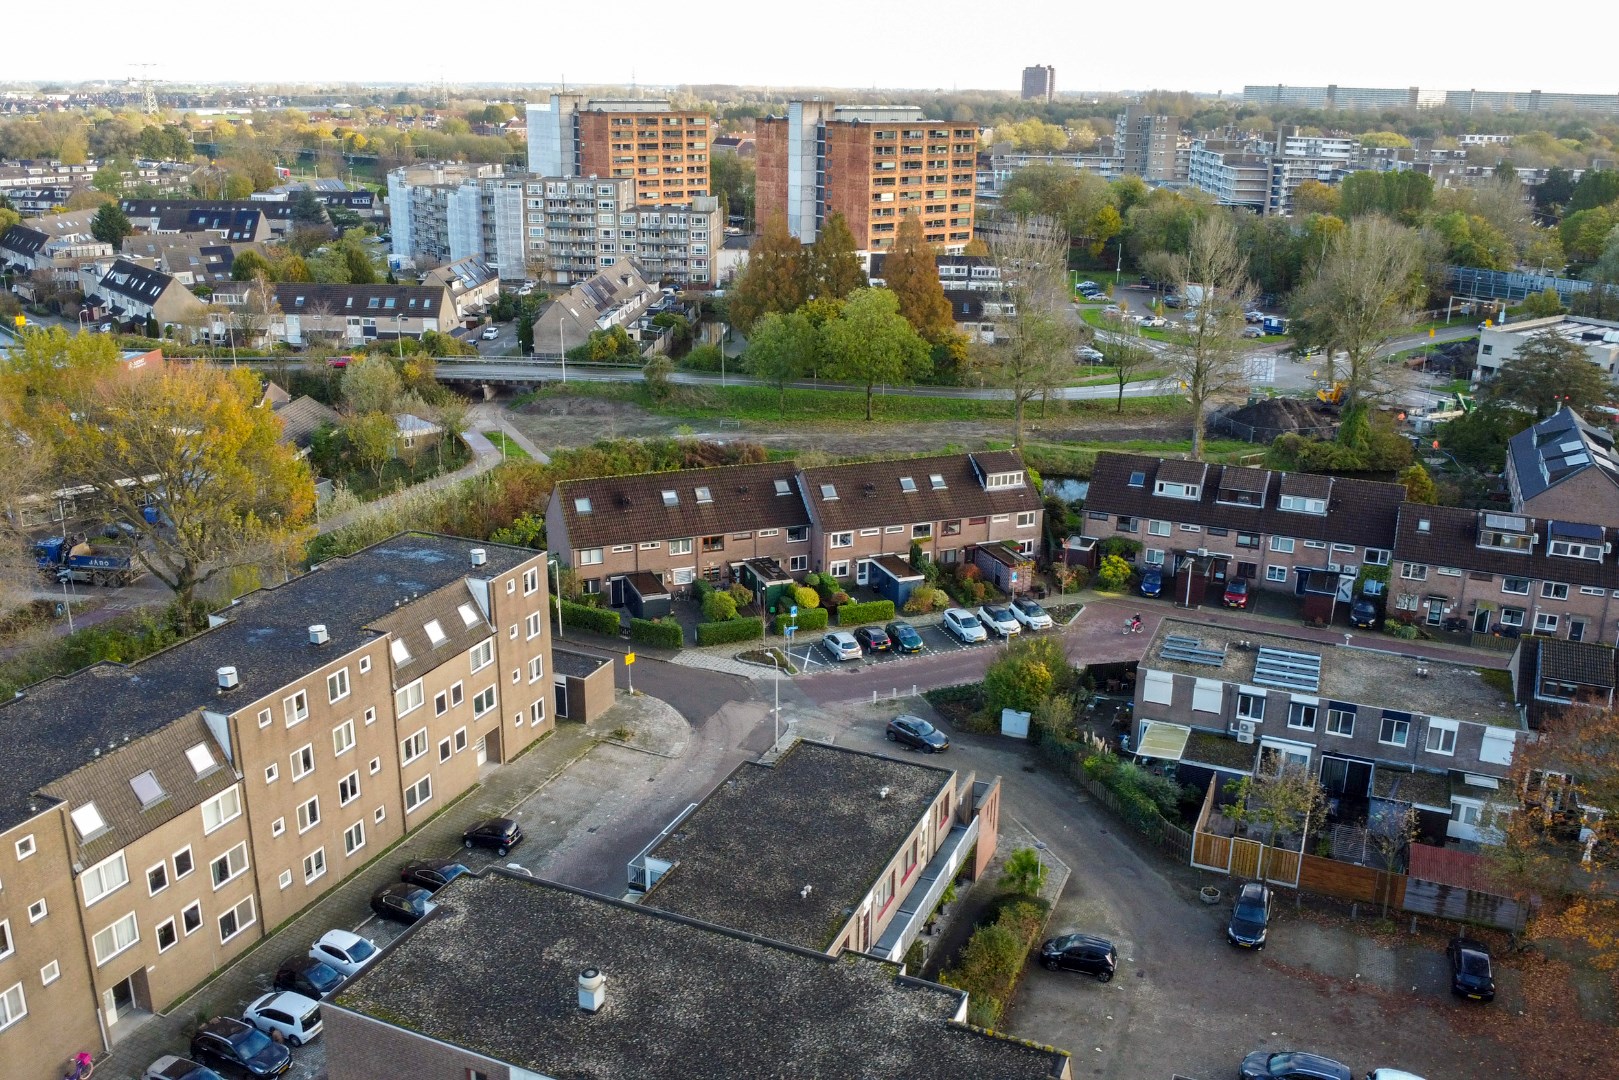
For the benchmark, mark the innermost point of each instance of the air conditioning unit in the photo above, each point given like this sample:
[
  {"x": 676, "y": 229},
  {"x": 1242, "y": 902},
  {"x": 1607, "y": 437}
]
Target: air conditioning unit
[
  {"x": 1202, "y": 553},
  {"x": 1245, "y": 731}
]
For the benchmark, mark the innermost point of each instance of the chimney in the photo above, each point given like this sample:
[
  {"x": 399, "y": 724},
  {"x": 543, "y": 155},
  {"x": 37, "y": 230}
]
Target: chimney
[
  {"x": 227, "y": 678},
  {"x": 318, "y": 634},
  {"x": 479, "y": 556},
  {"x": 592, "y": 990}
]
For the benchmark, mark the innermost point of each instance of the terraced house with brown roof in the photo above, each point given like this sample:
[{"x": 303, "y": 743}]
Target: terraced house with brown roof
[
  {"x": 163, "y": 814},
  {"x": 835, "y": 519},
  {"x": 1259, "y": 524}
]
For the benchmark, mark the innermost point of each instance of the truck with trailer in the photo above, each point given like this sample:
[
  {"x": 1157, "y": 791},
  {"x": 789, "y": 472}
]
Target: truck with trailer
[{"x": 76, "y": 559}]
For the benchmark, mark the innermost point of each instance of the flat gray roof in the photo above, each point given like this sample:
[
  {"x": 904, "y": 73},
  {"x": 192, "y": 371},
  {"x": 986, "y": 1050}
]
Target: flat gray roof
[
  {"x": 495, "y": 970},
  {"x": 821, "y": 815}
]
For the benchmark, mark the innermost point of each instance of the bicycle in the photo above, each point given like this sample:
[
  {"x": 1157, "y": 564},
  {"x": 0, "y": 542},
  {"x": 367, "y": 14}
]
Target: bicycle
[{"x": 82, "y": 1066}]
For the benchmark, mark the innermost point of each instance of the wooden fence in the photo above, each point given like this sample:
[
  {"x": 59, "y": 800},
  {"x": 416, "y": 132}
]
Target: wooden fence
[
  {"x": 1346, "y": 881},
  {"x": 1238, "y": 855},
  {"x": 1463, "y": 904}
]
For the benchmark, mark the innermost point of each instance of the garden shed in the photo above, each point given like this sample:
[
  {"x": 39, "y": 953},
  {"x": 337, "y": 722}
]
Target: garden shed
[
  {"x": 767, "y": 581},
  {"x": 1003, "y": 566},
  {"x": 894, "y": 579},
  {"x": 646, "y": 596}
]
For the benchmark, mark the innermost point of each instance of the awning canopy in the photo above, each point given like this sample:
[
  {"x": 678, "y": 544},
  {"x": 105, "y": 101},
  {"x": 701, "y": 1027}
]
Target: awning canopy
[{"x": 1166, "y": 742}]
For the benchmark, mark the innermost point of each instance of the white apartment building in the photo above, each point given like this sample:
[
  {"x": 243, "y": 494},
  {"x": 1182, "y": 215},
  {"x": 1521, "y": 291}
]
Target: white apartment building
[{"x": 1598, "y": 337}]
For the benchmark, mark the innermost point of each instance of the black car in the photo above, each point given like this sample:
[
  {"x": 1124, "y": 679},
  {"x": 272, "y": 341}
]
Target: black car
[
  {"x": 904, "y": 637},
  {"x": 307, "y": 976},
  {"x": 402, "y": 902},
  {"x": 231, "y": 1044},
  {"x": 1249, "y": 917},
  {"x": 1264, "y": 1065},
  {"x": 432, "y": 874},
  {"x": 1083, "y": 953},
  {"x": 873, "y": 639},
  {"x": 1363, "y": 613},
  {"x": 1471, "y": 975},
  {"x": 917, "y": 733},
  {"x": 499, "y": 833}
]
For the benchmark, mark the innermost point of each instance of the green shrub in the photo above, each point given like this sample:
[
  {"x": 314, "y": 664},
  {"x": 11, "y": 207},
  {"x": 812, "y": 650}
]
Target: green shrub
[
  {"x": 810, "y": 620},
  {"x": 925, "y": 599},
  {"x": 599, "y": 620},
  {"x": 871, "y": 611},
  {"x": 1113, "y": 574},
  {"x": 700, "y": 589},
  {"x": 719, "y": 606},
  {"x": 807, "y": 597},
  {"x": 664, "y": 633},
  {"x": 721, "y": 633},
  {"x": 741, "y": 594},
  {"x": 995, "y": 958},
  {"x": 1122, "y": 546},
  {"x": 702, "y": 358}
]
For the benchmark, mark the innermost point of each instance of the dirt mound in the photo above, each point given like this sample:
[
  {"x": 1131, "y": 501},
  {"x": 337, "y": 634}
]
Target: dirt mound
[{"x": 1263, "y": 420}]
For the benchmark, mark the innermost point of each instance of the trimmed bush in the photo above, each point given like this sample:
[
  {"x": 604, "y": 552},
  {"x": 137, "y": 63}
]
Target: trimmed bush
[
  {"x": 700, "y": 589},
  {"x": 1113, "y": 574},
  {"x": 810, "y": 620},
  {"x": 871, "y": 611},
  {"x": 599, "y": 620},
  {"x": 719, "y": 606},
  {"x": 995, "y": 958},
  {"x": 721, "y": 633},
  {"x": 661, "y": 633},
  {"x": 925, "y": 599}
]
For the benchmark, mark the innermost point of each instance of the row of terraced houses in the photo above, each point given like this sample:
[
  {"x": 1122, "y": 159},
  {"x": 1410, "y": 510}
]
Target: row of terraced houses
[
  {"x": 158, "y": 818},
  {"x": 1545, "y": 564}
]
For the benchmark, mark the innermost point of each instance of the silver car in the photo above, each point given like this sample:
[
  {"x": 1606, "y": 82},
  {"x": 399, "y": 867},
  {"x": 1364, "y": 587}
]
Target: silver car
[
  {"x": 841, "y": 645},
  {"x": 964, "y": 626}
]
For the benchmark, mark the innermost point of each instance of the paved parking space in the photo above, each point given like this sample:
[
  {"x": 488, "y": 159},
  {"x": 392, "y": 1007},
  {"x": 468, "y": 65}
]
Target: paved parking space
[{"x": 935, "y": 639}]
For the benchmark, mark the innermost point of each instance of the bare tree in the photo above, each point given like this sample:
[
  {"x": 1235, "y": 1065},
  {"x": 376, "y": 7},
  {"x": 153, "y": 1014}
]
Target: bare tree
[
  {"x": 1129, "y": 358},
  {"x": 254, "y": 316},
  {"x": 24, "y": 480},
  {"x": 1207, "y": 355},
  {"x": 1035, "y": 336},
  {"x": 1361, "y": 298}
]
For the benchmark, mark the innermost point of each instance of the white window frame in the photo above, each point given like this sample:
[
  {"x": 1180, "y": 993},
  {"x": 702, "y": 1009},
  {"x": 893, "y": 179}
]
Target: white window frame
[
  {"x": 37, "y": 911},
  {"x": 415, "y": 791},
  {"x": 126, "y": 923},
  {"x": 14, "y": 1003},
  {"x": 1282, "y": 544},
  {"x": 50, "y": 973},
  {"x": 337, "y": 686},
  {"x": 1333, "y": 724},
  {"x": 840, "y": 540},
  {"x": 531, "y": 580},
  {"x": 409, "y": 698},
  {"x": 1553, "y": 590},
  {"x": 536, "y": 669},
  {"x": 301, "y": 762},
  {"x": 343, "y": 738},
  {"x": 1404, "y": 743},
  {"x": 536, "y": 625},
  {"x": 295, "y": 707},
  {"x": 157, "y": 935},
  {"x": 235, "y": 914},
  {"x": 354, "y": 837},
  {"x": 99, "y": 872},
  {"x": 26, "y": 847},
  {"x": 1275, "y": 573},
  {"x": 483, "y": 654},
  {"x": 314, "y": 865},
  {"x": 308, "y": 814},
  {"x": 488, "y": 697},
  {"x": 217, "y": 805},
  {"x": 186, "y": 922},
  {"x": 353, "y": 782},
  {"x": 229, "y": 859},
  {"x": 1447, "y": 731},
  {"x": 161, "y": 865}
]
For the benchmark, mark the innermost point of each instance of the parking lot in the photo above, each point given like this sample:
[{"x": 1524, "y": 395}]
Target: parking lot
[{"x": 814, "y": 655}]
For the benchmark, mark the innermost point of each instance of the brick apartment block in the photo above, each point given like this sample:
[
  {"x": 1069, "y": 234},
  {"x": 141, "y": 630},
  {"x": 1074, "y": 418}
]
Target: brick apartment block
[
  {"x": 157, "y": 818},
  {"x": 836, "y": 519}
]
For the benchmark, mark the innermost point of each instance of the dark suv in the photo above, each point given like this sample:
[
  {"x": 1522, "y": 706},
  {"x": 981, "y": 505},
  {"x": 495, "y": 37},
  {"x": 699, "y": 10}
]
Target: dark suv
[
  {"x": 499, "y": 833},
  {"x": 307, "y": 976},
  {"x": 230, "y": 1044},
  {"x": 918, "y": 734},
  {"x": 1470, "y": 973},
  {"x": 1250, "y": 917},
  {"x": 1084, "y": 953}
]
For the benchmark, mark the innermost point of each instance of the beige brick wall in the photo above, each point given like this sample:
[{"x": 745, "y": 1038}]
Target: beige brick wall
[{"x": 360, "y": 1048}]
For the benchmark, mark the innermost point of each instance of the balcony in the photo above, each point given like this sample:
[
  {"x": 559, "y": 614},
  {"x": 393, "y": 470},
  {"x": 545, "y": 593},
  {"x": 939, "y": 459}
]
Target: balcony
[{"x": 924, "y": 896}]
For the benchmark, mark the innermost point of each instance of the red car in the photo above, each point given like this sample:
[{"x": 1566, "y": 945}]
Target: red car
[
  {"x": 1236, "y": 593},
  {"x": 338, "y": 361}
]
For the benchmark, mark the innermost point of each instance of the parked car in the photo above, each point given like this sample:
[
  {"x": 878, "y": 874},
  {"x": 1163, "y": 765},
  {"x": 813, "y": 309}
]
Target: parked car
[
  {"x": 490, "y": 333},
  {"x": 1250, "y": 917},
  {"x": 1252, "y": 332},
  {"x": 904, "y": 637},
  {"x": 918, "y": 734},
  {"x": 174, "y": 1067},
  {"x": 307, "y": 976},
  {"x": 1263, "y": 1065},
  {"x": 1236, "y": 593},
  {"x": 432, "y": 874},
  {"x": 873, "y": 639},
  {"x": 964, "y": 625},
  {"x": 296, "y": 1017},
  {"x": 1089, "y": 355},
  {"x": 1471, "y": 975},
  {"x": 1172, "y": 300},
  {"x": 999, "y": 618},
  {"x": 1087, "y": 286},
  {"x": 1111, "y": 309},
  {"x": 402, "y": 902},
  {"x": 1031, "y": 614},
  {"x": 1154, "y": 322},
  {"x": 338, "y": 362},
  {"x": 1363, "y": 613},
  {"x": 500, "y": 833},
  {"x": 1084, "y": 953},
  {"x": 841, "y": 645},
  {"x": 1152, "y": 583},
  {"x": 229, "y": 1043},
  {"x": 1093, "y": 295},
  {"x": 346, "y": 951},
  {"x": 1254, "y": 316}
]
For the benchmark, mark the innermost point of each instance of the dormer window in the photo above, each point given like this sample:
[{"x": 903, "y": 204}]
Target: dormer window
[
  {"x": 1301, "y": 504},
  {"x": 1505, "y": 532},
  {"x": 1179, "y": 491},
  {"x": 995, "y": 481}
]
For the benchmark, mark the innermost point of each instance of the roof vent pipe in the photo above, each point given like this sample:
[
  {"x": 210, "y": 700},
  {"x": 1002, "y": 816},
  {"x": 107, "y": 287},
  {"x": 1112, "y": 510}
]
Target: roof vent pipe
[
  {"x": 592, "y": 990},
  {"x": 318, "y": 634},
  {"x": 227, "y": 678},
  {"x": 479, "y": 556},
  {"x": 882, "y": 793}
]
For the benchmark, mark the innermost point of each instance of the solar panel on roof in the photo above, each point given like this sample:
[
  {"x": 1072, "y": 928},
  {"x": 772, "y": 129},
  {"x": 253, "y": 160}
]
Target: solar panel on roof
[
  {"x": 1190, "y": 650},
  {"x": 1288, "y": 670}
]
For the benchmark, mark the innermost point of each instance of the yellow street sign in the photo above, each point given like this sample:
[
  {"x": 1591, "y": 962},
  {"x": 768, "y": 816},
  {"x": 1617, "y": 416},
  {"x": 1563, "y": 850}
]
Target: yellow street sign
[
  {"x": 20, "y": 320},
  {"x": 629, "y": 658},
  {"x": 1430, "y": 331}
]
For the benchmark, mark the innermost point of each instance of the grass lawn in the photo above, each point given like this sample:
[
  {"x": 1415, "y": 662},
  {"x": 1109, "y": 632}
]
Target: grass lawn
[
  {"x": 509, "y": 448},
  {"x": 1457, "y": 322},
  {"x": 1094, "y": 317},
  {"x": 397, "y": 474}
]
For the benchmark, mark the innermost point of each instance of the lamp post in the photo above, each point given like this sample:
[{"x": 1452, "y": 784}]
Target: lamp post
[
  {"x": 399, "y": 335},
  {"x": 556, "y": 591},
  {"x": 562, "y": 352}
]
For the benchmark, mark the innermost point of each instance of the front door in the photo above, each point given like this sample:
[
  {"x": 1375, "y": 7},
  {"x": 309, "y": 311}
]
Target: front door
[
  {"x": 862, "y": 571},
  {"x": 562, "y": 698},
  {"x": 482, "y": 749},
  {"x": 119, "y": 1001},
  {"x": 1436, "y": 610},
  {"x": 615, "y": 591},
  {"x": 1481, "y": 621},
  {"x": 1576, "y": 629}
]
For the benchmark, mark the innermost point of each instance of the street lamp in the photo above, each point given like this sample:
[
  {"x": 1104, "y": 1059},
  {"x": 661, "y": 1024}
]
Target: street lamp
[{"x": 399, "y": 335}]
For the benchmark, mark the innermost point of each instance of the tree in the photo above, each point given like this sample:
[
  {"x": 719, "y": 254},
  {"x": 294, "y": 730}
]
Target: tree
[
  {"x": 873, "y": 343},
  {"x": 111, "y": 225},
  {"x": 1280, "y": 801},
  {"x": 1479, "y": 439},
  {"x": 250, "y": 264},
  {"x": 1360, "y": 298},
  {"x": 1314, "y": 197},
  {"x": 1034, "y": 345},
  {"x": 188, "y": 442},
  {"x": 1419, "y": 486},
  {"x": 1585, "y": 234},
  {"x": 1548, "y": 372},
  {"x": 372, "y": 436},
  {"x": 371, "y": 385},
  {"x": 1543, "y": 304},
  {"x": 1129, "y": 358},
  {"x": 1207, "y": 357},
  {"x": 781, "y": 351},
  {"x": 1402, "y": 196},
  {"x": 774, "y": 278},
  {"x": 307, "y": 210},
  {"x": 1024, "y": 872},
  {"x": 911, "y": 273},
  {"x": 1597, "y": 187},
  {"x": 656, "y": 371},
  {"x": 833, "y": 265},
  {"x": 1606, "y": 268},
  {"x": 1554, "y": 192}
]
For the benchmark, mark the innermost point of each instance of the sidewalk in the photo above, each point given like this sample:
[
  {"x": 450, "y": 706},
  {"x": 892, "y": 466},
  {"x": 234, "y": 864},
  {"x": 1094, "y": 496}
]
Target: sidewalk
[{"x": 502, "y": 788}]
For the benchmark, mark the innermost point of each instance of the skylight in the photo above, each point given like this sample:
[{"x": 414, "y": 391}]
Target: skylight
[
  {"x": 400, "y": 653},
  {"x": 937, "y": 480},
  {"x": 582, "y": 505},
  {"x": 469, "y": 614},
  {"x": 704, "y": 495},
  {"x": 907, "y": 484},
  {"x": 88, "y": 820},
  {"x": 146, "y": 788},
  {"x": 435, "y": 632},
  {"x": 783, "y": 488},
  {"x": 828, "y": 491},
  {"x": 1138, "y": 479},
  {"x": 671, "y": 498},
  {"x": 201, "y": 758}
]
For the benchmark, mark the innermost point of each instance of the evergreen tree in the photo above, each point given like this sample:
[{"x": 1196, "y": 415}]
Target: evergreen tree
[
  {"x": 912, "y": 275},
  {"x": 774, "y": 278},
  {"x": 111, "y": 225},
  {"x": 834, "y": 267}
]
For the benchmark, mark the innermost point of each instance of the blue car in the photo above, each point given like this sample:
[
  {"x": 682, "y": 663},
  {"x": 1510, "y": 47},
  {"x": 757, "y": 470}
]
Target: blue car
[{"x": 1152, "y": 583}]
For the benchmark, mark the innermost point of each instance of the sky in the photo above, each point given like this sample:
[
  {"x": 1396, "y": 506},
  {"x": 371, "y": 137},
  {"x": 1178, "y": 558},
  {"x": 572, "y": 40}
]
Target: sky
[{"x": 942, "y": 44}]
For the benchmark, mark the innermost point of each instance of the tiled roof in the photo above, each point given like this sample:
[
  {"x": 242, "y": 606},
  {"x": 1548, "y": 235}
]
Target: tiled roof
[
  {"x": 871, "y": 493},
  {"x": 624, "y": 509},
  {"x": 460, "y": 621},
  {"x": 1308, "y": 485},
  {"x": 1584, "y": 662},
  {"x": 1558, "y": 447},
  {"x": 1182, "y": 472},
  {"x": 1448, "y": 536},
  {"x": 301, "y": 418},
  {"x": 142, "y": 284},
  {"x": 151, "y": 208},
  {"x": 415, "y": 301},
  {"x": 23, "y": 241},
  {"x": 1359, "y": 512}
]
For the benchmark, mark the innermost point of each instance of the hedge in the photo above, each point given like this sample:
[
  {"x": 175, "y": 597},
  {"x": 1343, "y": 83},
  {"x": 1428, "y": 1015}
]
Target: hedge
[
  {"x": 601, "y": 620},
  {"x": 659, "y": 633},
  {"x": 809, "y": 620},
  {"x": 871, "y": 611},
  {"x": 995, "y": 957},
  {"x": 720, "y": 633}
]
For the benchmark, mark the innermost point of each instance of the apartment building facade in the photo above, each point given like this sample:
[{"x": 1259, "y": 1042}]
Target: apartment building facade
[
  {"x": 1039, "y": 82},
  {"x": 1151, "y": 145},
  {"x": 1598, "y": 337},
  {"x": 664, "y": 151},
  {"x": 835, "y": 519},
  {"x": 247, "y": 771},
  {"x": 357, "y": 314},
  {"x": 128, "y": 294},
  {"x": 871, "y": 164}
]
